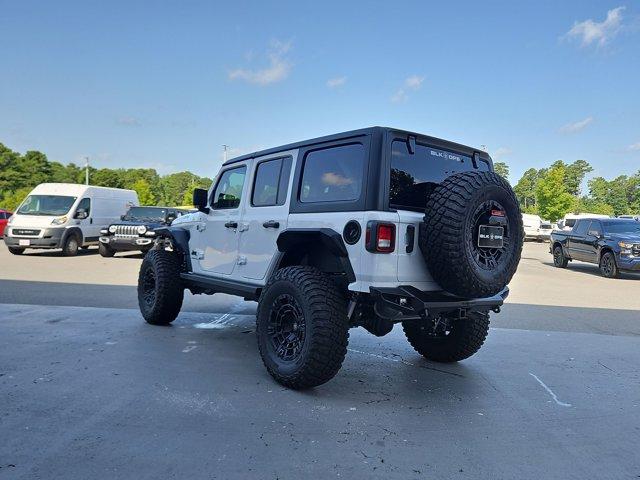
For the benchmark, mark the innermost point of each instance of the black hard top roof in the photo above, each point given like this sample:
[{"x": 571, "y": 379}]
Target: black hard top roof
[{"x": 357, "y": 133}]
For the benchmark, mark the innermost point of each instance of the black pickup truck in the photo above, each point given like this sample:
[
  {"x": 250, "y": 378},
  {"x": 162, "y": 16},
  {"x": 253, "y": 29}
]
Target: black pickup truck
[{"x": 612, "y": 243}]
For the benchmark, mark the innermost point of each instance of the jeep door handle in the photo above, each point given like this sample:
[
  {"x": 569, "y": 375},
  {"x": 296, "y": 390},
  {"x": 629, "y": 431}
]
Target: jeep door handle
[
  {"x": 231, "y": 224},
  {"x": 271, "y": 224}
]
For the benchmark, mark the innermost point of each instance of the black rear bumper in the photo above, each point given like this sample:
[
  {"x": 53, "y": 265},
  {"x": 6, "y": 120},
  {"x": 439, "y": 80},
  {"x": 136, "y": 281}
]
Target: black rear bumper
[{"x": 407, "y": 302}]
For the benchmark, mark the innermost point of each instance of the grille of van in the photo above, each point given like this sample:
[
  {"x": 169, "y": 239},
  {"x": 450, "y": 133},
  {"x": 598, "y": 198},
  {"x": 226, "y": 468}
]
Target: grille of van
[
  {"x": 23, "y": 232},
  {"x": 126, "y": 231}
]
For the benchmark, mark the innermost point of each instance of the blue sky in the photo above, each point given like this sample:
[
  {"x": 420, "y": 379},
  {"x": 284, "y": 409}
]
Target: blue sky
[{"x": 165, "y": 84}]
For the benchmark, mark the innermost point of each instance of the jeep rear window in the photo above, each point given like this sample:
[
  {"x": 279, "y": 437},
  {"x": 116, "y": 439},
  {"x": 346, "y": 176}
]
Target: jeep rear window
[
  {"x": 333, "y": 174},
  {"x": 414, "y": 176}
]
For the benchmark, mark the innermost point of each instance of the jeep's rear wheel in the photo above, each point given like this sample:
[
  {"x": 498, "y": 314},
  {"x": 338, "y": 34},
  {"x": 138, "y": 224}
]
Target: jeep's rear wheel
[
  {"x": 160, "y": 289},
  {"x": 458, "y": 210},
  {"x": 105, "y": 250},
  {"x": 302, "y": 327},
  {"x": 445, "y": 340}
]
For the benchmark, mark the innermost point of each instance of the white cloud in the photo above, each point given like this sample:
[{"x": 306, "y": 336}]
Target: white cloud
[
  {"x": 278, "y": 69},
  {"x": 576, "y": 127},
  {"x": 412, "y": 83},
  {"x": 598, "y": 33},
  {"x": 129, "y": 121},
  {"x": 634, "y": 148},
  {"x": 501, "y": 153},
  {"x": 336, "y": 82}
]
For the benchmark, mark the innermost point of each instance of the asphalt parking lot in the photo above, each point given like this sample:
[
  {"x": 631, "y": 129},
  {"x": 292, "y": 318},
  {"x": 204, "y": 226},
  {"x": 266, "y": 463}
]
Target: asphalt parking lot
[{"x": 90, "y": 391}]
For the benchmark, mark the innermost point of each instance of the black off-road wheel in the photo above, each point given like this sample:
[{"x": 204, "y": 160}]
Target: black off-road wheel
[
  {"x": 457, "y": 211},
  {"x": 448, "y": 341},
  {"x": 16, "y": 251},
  {"x": 559, "y": 260},
  {"x": 160, "y": 289},
  {"x": 302, "y": 327},
  {"x": 608, "y": 266},
  {"x": 71, "y": 245},
  {"x": 105, "y": 250}
]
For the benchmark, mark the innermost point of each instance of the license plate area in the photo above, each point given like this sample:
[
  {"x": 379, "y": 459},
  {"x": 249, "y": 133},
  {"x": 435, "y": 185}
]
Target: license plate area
[
  {"x": 24, "y": 243},
  {"x": 490, "y": 236}
]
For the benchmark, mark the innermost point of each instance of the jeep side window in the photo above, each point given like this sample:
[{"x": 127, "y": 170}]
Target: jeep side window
[
  {"x": 333, "y": 174},
  {"x": 413, "y": 176},
  {"x": 271, "y": 182},
  {"x": 228, "y": 191}
]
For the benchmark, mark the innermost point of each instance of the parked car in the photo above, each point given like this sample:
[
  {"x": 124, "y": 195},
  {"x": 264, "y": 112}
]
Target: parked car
[
  {"x": 546, "y": 227},
  {"x": 613, "y": 244},
  {"x": 570, "y": 219},
  {"x": 136, "y": 229},
  {"x": 5, "y": 215},
  {"x": 65, "y": 215},
  {"x": 331, "y": 233},
  {"x": 536, "y": 228}
]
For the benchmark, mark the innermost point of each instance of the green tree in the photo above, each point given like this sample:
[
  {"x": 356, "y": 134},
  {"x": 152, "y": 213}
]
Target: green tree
[
  {"x": 574, "y": 176},
  {"x": 552, "y": 197},
  {"x": 145, "y": 195},
  {"x": 611, "y": 192},
  {"x": 12, "y": 200},
  {"x": 502, "y": 169},
  {"x": 525, "y": 189},
  {"x": 589, "y": 205}
]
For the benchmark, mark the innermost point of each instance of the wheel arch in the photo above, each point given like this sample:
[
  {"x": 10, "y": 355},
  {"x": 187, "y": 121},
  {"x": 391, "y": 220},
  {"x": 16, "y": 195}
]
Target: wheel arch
[
  {"x": 72, "y": 231},
  {"x": 180, "y": 241},
  {"x": 322, "y": 248}
]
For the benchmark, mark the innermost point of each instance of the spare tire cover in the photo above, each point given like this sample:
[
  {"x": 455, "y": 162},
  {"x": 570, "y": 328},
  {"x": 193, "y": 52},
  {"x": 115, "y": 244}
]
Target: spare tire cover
[{"x": 449, "y": 236}]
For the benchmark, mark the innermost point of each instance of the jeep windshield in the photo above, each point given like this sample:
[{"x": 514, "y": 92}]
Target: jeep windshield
[
  {"x": 50, "y": 205},
  {"x": 146, "y": 213},
  {"x": 414, "y": 175}
]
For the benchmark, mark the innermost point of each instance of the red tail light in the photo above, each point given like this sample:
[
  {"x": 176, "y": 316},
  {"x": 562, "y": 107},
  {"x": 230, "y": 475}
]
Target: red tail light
[{"x": 381, "y": 237}]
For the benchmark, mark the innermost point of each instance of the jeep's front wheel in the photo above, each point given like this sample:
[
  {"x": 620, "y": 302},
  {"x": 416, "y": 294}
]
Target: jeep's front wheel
[
  {"x": 446, "y": 340},
  {"x": 302, "y": 327},
  {"x": 160, "y": 289}
]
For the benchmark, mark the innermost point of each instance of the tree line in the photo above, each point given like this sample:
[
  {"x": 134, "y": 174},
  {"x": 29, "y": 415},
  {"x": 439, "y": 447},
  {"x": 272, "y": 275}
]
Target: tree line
[
  {"x": 555, "y": 191},
  {"x": 20, "y": 173}
]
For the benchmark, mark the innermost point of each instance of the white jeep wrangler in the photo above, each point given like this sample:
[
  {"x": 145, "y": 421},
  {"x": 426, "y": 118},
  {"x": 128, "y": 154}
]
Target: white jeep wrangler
[{"x": 365, "y": 228}]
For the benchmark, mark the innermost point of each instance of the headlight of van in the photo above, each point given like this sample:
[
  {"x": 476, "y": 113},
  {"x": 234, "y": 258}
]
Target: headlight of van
[
  {"x": 142, "y": 230},
  {"x": 59, "y": 220},
  {"x": 112, "y": 229}
]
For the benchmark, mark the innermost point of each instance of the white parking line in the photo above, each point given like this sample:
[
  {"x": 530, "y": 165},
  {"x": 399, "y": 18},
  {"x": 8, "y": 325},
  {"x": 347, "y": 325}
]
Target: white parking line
[{"x": 550, "y": 392}]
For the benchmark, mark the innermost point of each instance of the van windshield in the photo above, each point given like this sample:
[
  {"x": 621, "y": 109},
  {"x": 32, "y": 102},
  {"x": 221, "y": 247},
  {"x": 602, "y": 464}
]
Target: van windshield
[{"x": 46, "y": 205}]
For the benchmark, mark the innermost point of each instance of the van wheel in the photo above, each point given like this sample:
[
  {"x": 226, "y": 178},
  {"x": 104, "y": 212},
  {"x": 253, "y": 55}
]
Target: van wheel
[
  {"x": 608, "y": 266},
  {"x": 448, "y": 341},
  {"x": 105, "y": 250},
  {"x": 160, "y": 289},
  {"x": 302, "y": 327},
  {"x": 559, "y": 260},
  {"x": 16, "y": 251},
  {"x": 71, "y": 245}
]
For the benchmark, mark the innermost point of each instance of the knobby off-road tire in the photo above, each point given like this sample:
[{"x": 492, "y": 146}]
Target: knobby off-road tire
[
  {"x": 464, "y": 339},
  {"x": 16, "y": 251},
  {"x": 449, "y": 234},
  {"x": 160, "y": 289},
  {"x": 105, "y": 250},
  {"x": 608, "y": 267},
  {"x": 559, "y": 260},
  {"x": 71, "y": 245},
  {"x": 302, "y": 327}
]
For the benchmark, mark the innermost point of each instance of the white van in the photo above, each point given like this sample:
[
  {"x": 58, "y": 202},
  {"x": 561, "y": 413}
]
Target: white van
[
  {"x": 531, "y": 224},
  {"x": 65, "y": 215},
  {"x": 569, "y": 219}
]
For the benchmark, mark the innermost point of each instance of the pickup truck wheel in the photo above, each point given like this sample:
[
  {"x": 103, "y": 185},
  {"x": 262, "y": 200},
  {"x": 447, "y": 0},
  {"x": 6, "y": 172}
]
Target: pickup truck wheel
[
  {"x": 457, "y": 210},
  {"x": 105, "y": 250},
  {"x": 16, "y": 251},
  {"x": 448, "y": 341},
  {"x": 160, "y": 289},
  {"x": 608, "y": 266},
  {"x": 559, "y": 260},
  {"x": 71, "y": 246},
  {"x": 302, "y": 327}
]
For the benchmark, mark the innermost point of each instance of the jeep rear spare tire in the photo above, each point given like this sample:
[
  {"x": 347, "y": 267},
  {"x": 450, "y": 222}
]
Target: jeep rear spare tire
[{"x": 472, "y": 234}]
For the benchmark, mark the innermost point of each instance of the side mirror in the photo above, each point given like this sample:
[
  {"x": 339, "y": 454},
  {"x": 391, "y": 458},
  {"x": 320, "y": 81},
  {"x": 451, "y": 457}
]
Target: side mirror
[
  {"x": 200, "y": 200},
  {"x": 170, "y": 218},
  {"x": 81, "y": 214},
  {"x": 593, "y": 233}
]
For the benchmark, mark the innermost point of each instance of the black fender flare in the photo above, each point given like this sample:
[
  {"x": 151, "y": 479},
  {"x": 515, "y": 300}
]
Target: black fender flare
[
  {"x": 328, "y": 238},
  {"x": 179, "y": 238},
  {"x": 72, "y": 231}
]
